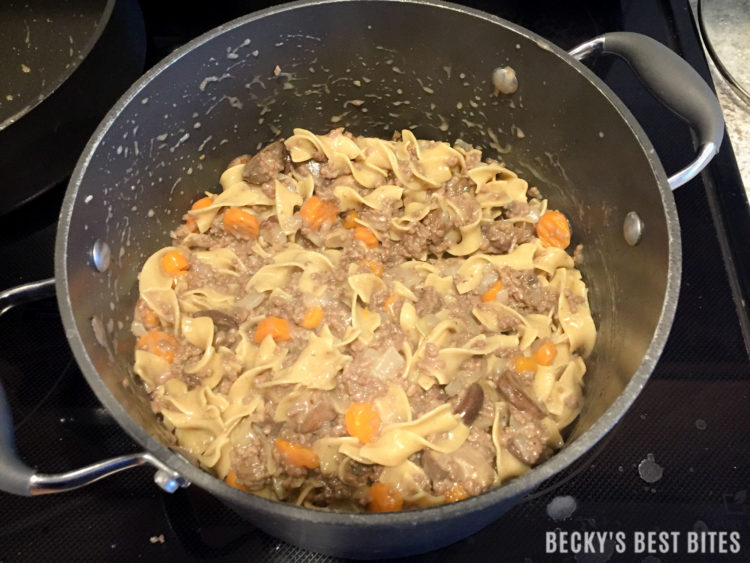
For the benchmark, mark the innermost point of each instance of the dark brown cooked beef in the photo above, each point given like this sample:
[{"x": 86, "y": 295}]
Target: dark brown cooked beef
[
  {"x": 517, "y": 209},
  {"x": 359, "y": 382},
  {"x": 265, "y": 165},
  {"x": 425, "y": 401},
  {"x": 427, "y": 235},
  {"x": 526, "y": 293},
  {"x": 308, "y": 415},
  {"x": 503, "y": 236},
  {"x": 573, "y": 300},
  {"x": 459, "y": 185},
  {"x": 525, "y": 437},
  {"x": 249, "y": 463},
  {"x": 331, "y": 489},
  {"x": 428, "y": 301},
  {"x": 467, "y": 466},
  {"x": 271, "y": 232}
]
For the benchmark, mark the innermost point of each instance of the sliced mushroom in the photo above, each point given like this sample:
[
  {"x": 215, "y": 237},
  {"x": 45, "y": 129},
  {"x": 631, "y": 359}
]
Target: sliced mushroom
[
  {"x": 511, "y": 390},
  {"x": 219, "y": 318},
  {"x": 469, "y": 406}
]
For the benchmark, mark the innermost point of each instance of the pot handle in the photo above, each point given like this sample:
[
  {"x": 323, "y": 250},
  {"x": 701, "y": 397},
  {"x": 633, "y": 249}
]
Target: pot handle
[
  {"x": 18, "y": 478},
  {"x": 675, "y": 83}
]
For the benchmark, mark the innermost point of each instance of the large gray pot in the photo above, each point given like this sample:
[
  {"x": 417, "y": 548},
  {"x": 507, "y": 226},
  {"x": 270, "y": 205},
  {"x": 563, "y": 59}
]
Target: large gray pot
[{"x": 413, "y": 63}]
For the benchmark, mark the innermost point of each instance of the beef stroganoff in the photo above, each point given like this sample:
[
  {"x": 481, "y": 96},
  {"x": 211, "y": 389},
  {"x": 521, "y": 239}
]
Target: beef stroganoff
[{"x": 360, "y": 324}]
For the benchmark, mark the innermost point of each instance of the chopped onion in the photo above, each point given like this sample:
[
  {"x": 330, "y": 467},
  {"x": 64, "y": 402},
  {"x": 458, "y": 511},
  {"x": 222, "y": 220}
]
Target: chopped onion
[
  {"x": 251, "y": 300},
  {"x": 489, "y": 278},
  {"x": 454, "y": 387},
  {"x": 388, "y": 363}
]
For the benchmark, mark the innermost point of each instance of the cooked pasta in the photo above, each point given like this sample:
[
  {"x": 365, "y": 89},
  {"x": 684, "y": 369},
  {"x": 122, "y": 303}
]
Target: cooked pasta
[{"x": 360, "y": 324}]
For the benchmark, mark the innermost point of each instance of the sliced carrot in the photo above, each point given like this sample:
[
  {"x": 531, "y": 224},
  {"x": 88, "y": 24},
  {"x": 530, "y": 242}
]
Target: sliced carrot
[
  {"x": 191, "y": 224},
  {"x": 366, "y": 236},
  {"x": 316, "y": 212},
  {"x": 231, "y": 480},
  {"x": 362, "y": 421},
  {"x": 312, "y": 319},
  {"x": 524, "y": 363},
  {"x": 351, "y": 220},
  {"x": 160, "y": 343},
  {"x": 546, "y": 353},
  {"x": 297, "y": 455},
  {"x": 146, "y": 315},
  {"x": 202, "y": 203},
  {"x": 241, "y": 223},
  {"x": 173, "y": 262},
  {"x": 278, "y": 329},
  {"x": 553, "y": 229},
  {"x": 384, "y": 497},
  {"x": 390, "y": 305},
  {"x": 456, "y": 493},
  {"x": 190, "y": 221},
  {"x": 375, "y": 266},
  {"x": 492, "y": 292}
]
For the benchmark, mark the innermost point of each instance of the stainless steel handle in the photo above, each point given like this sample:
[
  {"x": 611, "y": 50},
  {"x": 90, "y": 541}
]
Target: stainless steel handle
[
  {"x": 42, "y": 484},
  {"x": 675, "y": 83},
  {"x": 18, "y": 478}
]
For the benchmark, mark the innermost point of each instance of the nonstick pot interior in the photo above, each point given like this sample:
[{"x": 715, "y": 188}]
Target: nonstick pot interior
[{"x": 374, "y": 68}]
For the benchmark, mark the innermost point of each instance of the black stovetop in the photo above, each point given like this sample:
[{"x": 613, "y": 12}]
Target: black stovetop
[{"x": 692, "y": 420}]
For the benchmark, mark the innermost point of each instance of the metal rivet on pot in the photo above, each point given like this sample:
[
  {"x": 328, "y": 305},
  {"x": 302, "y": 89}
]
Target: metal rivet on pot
[
  {"x": 632, "y": 228},
  {"x": 101, "y": 255},
  {"x": 168, "y": 481}
]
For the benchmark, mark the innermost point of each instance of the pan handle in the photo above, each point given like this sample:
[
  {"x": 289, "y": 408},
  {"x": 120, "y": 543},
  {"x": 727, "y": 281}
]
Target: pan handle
[
  {"x": 18, "y": 478},
  {"x": 675, "y": 83}
]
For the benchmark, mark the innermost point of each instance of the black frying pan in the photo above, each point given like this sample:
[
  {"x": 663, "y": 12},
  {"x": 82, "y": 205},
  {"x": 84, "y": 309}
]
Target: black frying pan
[
  {"x": 64, "y": 63},
  {"x": 217, "y": 97}
]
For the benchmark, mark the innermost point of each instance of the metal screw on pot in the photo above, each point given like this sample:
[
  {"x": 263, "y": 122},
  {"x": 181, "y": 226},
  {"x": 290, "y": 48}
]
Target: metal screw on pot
[
  {"x": 632, "y": 228},
  {"x": 169, "y": 481},
  {"x": 101, "y": 255}
]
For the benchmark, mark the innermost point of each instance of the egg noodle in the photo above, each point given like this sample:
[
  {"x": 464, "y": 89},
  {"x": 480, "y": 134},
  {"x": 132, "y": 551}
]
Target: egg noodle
[{"x": 370, "y": 276}]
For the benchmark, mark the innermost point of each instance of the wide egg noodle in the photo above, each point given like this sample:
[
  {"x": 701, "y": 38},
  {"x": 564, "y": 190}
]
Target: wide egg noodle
[
  {"x": 200, "y": 333},
  {"x": 152, "y": 369},
  {"x": 316, "y": 367},
  {"x": 393, "y": 407},
  {"x": 223, "y": 261},
  {"x": 234, "y": 380},
  {"x": 535, "y": 327},
  {"x": 275, "y": 276},
  {"x": 471, "y": 271},
  {"x": 480, "y": 345},
  {"x": 578, "y": 325},
  {"x": 409, "y": 479},
  {"x": 507, "y": 465},
  {"x": 286, "y": 200},
  {"x": 364, "y": 285},
  {"x": 152, "y": 276},
  {"x": 378, "y": 199},
  {"x": 398, "y": 441},
  {"x": 483, "y": 174},
  {"x": 549, "y": 259}
]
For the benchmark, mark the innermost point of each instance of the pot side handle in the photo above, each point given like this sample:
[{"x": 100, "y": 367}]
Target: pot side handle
[
  {"x": 675, "y": 83},
  {"x": 18, "y": 478}
]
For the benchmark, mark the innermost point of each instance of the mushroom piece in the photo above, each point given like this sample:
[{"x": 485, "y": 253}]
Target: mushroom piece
[
  {"x": 218, "y": 317},
  {"x": 469, "y": 406}
]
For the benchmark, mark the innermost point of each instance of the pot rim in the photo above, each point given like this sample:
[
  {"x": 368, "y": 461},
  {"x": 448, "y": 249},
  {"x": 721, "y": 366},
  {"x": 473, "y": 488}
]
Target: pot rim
[{"x": 485, "y": 501}]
